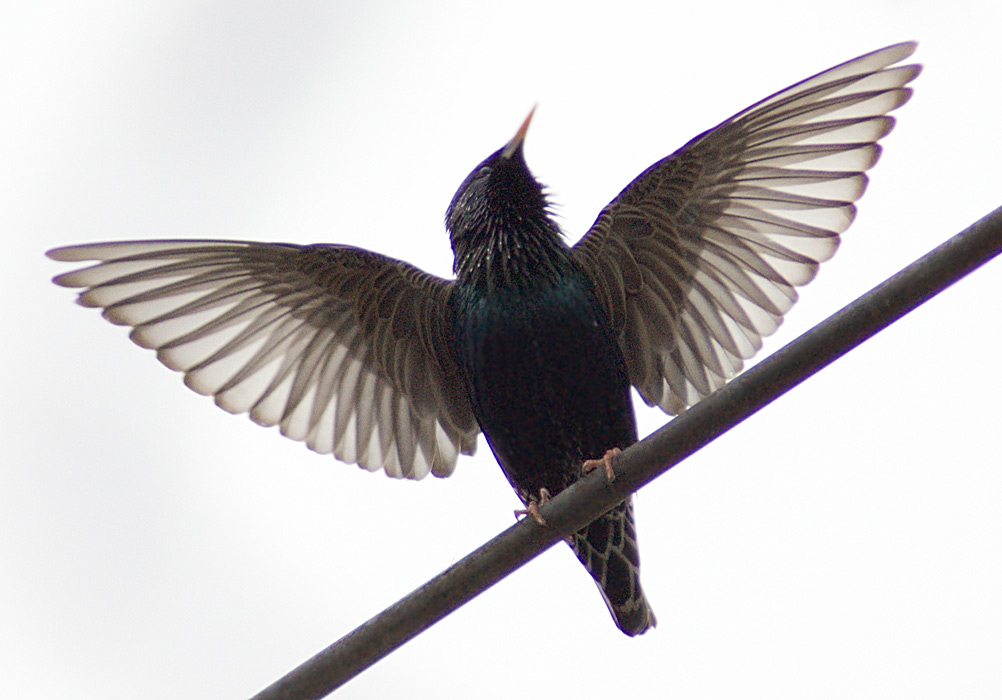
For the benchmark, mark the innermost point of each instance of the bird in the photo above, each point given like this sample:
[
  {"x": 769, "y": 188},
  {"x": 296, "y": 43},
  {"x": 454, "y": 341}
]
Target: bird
[{"x": 535, "y": 343}]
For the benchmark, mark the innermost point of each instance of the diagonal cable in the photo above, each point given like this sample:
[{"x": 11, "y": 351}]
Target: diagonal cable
[{"x": 579, "y": 504}]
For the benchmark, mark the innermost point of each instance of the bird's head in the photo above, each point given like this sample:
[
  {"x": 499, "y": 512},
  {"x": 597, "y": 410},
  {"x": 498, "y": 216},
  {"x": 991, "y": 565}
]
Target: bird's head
[{"x": 498, "y": 201}]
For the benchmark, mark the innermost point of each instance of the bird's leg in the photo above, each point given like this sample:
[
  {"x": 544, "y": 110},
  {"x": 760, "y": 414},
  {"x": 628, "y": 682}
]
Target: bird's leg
[
  {"x": 605, "y": 460},
  {"x": 532, "y": 507}
]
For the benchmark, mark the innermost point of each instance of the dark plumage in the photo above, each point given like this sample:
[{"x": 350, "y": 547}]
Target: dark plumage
[
  {"x": 536, "y": 343},
  {"x": 546, "y": 378}
]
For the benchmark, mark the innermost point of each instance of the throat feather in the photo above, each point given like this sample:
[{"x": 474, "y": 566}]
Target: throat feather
[{"x": 511, "y": 259}]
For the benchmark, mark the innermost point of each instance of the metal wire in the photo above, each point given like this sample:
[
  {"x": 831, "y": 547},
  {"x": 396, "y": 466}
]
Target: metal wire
[{"x": 581, "y": 503}]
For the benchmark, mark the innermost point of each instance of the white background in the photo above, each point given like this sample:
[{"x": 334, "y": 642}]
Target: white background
[{"x": 846, "y": 542}]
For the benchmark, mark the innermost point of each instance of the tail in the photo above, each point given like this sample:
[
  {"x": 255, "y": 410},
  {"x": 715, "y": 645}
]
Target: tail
[{"x": 608, "y": 549}]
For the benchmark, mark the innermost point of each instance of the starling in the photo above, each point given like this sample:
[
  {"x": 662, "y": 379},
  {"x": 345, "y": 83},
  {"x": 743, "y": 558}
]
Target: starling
[{"x": 535, "y": 343}]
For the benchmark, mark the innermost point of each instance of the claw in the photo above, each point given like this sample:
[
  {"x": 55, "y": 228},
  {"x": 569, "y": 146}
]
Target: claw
[
  {"x": 605, "y": 461},
  {"x": 532, "y": 508}
]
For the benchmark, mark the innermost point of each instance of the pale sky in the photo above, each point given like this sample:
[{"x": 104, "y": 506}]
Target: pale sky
[{"x": 846, "y": 542}]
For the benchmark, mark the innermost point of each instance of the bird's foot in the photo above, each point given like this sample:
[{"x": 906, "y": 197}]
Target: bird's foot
[
  {"x": 605, "y": 461},
  {"x": 532, "y": 507}
]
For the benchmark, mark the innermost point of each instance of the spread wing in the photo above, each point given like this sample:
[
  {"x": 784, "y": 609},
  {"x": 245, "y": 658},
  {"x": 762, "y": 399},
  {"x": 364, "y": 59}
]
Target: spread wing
[
  {"x": 698, "y": 258},
  {"x": 345, "y": 349}
]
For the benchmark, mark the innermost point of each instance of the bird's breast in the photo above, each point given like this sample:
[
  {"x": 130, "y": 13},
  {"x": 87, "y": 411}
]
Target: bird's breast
[{"x": 546, "y": 379}]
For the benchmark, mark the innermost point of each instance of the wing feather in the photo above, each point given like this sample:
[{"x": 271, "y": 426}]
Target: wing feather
[
  {"x": 344, "y": 349},
  {"x": 698, "y": 258}
]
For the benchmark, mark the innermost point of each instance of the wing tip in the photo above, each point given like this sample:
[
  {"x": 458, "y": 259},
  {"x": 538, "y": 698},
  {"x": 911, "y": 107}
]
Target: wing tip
[{"x": 70, "y": 253}]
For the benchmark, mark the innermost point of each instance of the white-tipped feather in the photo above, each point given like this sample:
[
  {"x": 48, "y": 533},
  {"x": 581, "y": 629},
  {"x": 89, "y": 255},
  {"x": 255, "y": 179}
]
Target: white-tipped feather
[
  {"x": 748, "y": 210},
  {"x": 248, "y": 326}
]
